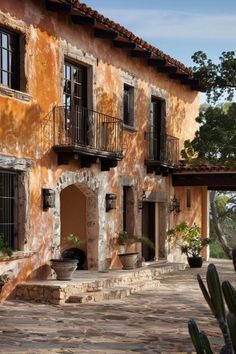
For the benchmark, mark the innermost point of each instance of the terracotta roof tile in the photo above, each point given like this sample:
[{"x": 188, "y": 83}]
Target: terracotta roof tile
[
  {"x": 86, "y": 10},
  {"x": 203, "y": 167}
]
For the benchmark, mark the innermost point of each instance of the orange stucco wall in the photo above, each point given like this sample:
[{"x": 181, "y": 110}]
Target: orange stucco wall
[{"x": 23, "y": 132}]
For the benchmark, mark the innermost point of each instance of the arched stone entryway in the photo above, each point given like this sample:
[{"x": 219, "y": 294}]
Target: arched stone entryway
[{"x": 87, "y": 184}]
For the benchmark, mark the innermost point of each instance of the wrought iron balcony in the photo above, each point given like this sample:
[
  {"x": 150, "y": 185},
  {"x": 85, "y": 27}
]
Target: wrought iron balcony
[
  {"x": 163, "y": 153},
  {"x": 88, "y": 134}
]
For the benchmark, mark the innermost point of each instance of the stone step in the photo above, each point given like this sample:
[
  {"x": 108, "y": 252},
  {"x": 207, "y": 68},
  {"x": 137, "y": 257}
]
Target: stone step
[
  {"x": 116, "y": 293},
  {"x": 95, "y": 286}
]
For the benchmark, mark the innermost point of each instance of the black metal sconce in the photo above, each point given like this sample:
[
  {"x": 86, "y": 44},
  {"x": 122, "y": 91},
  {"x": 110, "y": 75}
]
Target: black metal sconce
[
  {"x": 48, "y": 198},
  {"x": 141, "y": 199},
  {"x": 174, "y": 205},
  {"x": 110, "y": 201}
]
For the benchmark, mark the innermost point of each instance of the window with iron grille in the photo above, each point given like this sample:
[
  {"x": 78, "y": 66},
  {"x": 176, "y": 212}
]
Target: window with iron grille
[
  {"x": 128, "y": 105},
  {"x": 9, "y": 59},
  {"x": 8, "y": 207}
]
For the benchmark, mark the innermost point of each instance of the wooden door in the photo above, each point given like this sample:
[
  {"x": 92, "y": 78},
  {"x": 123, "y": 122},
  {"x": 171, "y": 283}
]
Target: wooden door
[{"x": 149, "y": 229}]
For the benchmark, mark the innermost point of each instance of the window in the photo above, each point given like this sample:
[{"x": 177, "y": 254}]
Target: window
[
  {"x": 75, "y": 102},
  {"x": 128, "y": 105},
  {"x": 157, "y": 129},
  {"x": 188, "y": 198},
  {"x": 128, "y": 209},
  {"x": 8, "y": 207},
  {"x": 9, "y": 59},
  {"x": 75, "y": 85}
]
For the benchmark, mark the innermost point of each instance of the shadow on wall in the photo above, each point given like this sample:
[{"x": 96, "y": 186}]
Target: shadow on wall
[
  {"x": 42, "y": 273},
  {"x": 19, "y": 127}
]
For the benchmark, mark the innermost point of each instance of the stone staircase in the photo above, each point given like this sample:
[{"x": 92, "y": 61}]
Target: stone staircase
[{"x": 88, "y": 286}]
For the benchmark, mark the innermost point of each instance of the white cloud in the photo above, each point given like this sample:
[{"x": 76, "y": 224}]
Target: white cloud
[{"x": 175, "y": 24}]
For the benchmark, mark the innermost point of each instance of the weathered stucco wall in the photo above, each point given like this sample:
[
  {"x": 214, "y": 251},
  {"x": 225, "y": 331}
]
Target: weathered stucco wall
[{"x": 24, "y": 132}]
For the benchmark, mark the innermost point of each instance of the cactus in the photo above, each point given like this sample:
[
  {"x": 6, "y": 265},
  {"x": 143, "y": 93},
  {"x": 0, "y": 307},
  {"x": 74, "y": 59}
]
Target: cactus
[
  {"x": 230, "y": 296},
  {"x": 199, "y": 339},
  {"x": 214, "y": 295}
]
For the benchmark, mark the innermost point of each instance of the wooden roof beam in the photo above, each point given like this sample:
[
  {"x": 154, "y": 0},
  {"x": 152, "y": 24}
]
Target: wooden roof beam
[
  {"x": 57, "y": 5},
  {"x": 167, "y": 69},
  {"x": 157, "y": 61},
  {"x": 179, "y": 76},
  {"x": 83, "y": 20},
  {"x": 120, "y": 42},
  {"x": 105, "y": 33},
  {"x": 140, "y": 53}
]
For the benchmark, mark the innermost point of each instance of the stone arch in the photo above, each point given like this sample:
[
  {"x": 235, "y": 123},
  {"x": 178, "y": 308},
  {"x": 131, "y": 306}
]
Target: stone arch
[{"x": 89, "y": 185}]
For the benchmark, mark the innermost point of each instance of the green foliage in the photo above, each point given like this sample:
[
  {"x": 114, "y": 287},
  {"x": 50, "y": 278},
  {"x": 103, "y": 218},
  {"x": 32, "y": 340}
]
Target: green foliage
[
  {"x": 215, "y": 294},
  {"x": 75, "y": 241},
  {"x": 215, "y": 140},
  {"x": 216, "y": 250},
  {"x": 4, "y": 248},
  {"x": 216, "y": 79},
  {"x": 188, "y": 238},
  {"x": 225, "y": 203},
  {"x": 126, "y": 239}
]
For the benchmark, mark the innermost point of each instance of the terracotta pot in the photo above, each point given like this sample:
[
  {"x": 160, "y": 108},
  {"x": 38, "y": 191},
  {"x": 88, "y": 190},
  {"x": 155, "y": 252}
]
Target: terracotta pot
[
  {"x": 64, "y": 267},
  {"x": 129, "y": 260},
  {"x": 195, "y": 262}
]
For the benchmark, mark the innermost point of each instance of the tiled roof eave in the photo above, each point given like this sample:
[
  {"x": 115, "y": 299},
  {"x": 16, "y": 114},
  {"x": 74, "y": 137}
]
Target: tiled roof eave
[{"x": 122, "y": 31}]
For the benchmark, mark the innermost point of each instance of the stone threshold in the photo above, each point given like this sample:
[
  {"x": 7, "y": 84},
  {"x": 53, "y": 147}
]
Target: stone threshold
[{"x": 92, "y": 286}]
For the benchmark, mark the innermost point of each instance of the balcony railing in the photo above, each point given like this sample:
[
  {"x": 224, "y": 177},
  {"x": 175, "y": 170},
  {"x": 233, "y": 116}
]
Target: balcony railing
[
  {"x": 163, "y": 150},
  {"x": 77, "y": 126}
]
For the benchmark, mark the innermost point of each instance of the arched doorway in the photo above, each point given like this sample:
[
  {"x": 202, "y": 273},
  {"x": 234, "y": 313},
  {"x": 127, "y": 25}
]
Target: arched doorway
[
  {"x": 73, "y": 219},
  {"x": 79, "y": 209},
  {"x": 79, "y": 216}
]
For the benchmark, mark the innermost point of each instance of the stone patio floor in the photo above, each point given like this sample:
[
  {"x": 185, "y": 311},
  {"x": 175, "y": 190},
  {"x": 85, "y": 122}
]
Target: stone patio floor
[{"x": 153, "y": 321}]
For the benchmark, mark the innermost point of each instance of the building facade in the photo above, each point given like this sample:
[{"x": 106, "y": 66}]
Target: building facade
[{"x": 92, "y": 121}]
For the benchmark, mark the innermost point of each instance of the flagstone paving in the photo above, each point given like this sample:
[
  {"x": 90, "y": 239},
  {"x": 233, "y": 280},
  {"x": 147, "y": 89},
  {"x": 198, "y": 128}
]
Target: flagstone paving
[{"x": 149, "y": 322}]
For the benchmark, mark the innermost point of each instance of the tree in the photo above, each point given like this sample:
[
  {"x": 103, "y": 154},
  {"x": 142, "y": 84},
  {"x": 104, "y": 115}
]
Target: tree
[
  {"x": 216, "y": 79},
  {"x": 223, "y": 207},
  {"x": 215, "y": 141}
]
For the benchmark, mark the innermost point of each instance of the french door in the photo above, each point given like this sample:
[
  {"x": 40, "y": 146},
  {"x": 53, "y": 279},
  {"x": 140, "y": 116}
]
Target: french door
[
  {"x": 156, "y": 128},
  {"x": 75, "y": 102}
]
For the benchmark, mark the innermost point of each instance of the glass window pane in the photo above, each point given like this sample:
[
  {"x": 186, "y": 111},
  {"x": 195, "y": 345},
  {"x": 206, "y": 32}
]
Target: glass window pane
[
  {"x": 4, "y": 40},
  {"x": 68, "y": 72},
  {"x": 5, "y": 78},
  {"x": 5, "y": 60}
]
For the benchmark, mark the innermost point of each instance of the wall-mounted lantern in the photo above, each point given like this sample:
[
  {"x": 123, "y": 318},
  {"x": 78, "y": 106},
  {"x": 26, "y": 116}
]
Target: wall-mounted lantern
[
  {"x": 174, "y": 205},
  {"x": 110, "y": 201},
  {"x": 140, "y": 200},
  {"x": 48, "y": 198}
]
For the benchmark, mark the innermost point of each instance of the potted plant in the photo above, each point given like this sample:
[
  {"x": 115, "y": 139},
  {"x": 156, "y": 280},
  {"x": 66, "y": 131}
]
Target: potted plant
[
  {"x": 4, "y": 249},
  {"x": 74, "y": 250},
  {"x": 127, "y": 258},
  {"x": 65, "y": 266},
  {"x": 188, "y": 238}
]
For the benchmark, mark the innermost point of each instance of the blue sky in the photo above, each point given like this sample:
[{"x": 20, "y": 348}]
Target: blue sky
[{"x": 177, "y": 27}]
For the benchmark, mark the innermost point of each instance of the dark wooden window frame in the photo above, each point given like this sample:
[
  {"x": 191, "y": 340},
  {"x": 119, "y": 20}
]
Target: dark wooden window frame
[
  {"x": 9, "y": 194},
  {"x": 188, "y": 198},
  {"x": 158, "y": 127},
  {"x": 128, "y": 105},
  {"x": 9, "y": 58}
]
